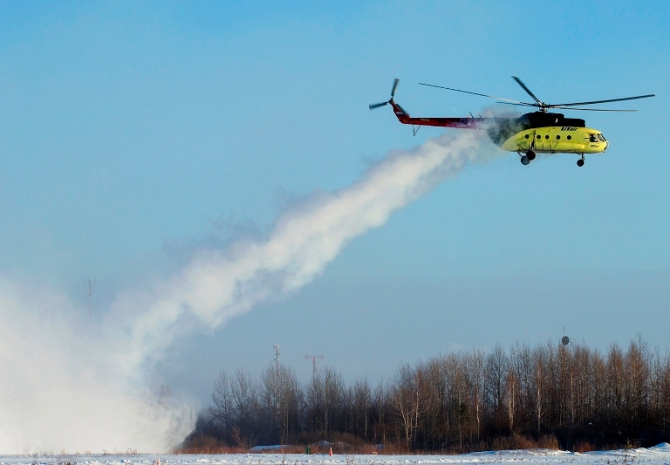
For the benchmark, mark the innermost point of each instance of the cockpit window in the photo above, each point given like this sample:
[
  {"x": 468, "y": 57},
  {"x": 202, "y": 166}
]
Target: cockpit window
[
  {"x": 601, "y": 137},
  {"x": 593, "y": 138}
]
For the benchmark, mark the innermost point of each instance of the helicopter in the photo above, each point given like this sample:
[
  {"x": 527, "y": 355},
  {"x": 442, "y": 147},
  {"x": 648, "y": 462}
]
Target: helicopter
[{"x": 539, "y": 132}]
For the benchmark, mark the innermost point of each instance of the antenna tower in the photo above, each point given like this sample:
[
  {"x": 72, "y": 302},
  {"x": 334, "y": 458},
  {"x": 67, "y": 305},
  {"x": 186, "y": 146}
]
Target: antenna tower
[
  {"x": 313, "y": 358},
  {"x": 276, "y": 347},
  {"x": 89, "y": 293}
]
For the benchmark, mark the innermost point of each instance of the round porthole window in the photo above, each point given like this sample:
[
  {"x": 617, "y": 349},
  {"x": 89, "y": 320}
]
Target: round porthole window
[
  {"x": 547, "y": 136},
  {"x": 569, "y": 137}
]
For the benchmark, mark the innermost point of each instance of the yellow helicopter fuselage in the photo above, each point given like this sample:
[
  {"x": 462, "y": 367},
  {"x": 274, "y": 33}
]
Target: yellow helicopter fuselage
[
  {"x": 557, "y": 139},
  {"x": 539, "y": 132}
]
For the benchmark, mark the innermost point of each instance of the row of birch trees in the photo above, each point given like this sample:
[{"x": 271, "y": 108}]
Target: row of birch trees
[{"x": 461, "y": 401}]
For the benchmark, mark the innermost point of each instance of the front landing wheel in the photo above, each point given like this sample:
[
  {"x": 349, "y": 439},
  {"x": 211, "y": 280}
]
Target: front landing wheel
[{"x": 580, "y": 162}]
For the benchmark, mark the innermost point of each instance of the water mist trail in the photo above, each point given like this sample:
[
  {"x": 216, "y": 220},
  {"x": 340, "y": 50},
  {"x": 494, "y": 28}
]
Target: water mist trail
[{"x": 61, "y": 390}]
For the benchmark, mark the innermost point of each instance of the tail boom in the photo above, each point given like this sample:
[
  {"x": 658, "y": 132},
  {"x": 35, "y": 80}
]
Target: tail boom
[{"x": 463, "y": 123}]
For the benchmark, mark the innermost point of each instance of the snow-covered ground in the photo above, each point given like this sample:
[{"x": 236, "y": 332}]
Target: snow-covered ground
[{"x": 653, "y": 455}]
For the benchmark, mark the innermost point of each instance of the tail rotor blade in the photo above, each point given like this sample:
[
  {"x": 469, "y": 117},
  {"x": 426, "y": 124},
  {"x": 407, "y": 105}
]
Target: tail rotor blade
[
  {"x": 377, "y": 105},
  {"x": 395, "y": 86}
]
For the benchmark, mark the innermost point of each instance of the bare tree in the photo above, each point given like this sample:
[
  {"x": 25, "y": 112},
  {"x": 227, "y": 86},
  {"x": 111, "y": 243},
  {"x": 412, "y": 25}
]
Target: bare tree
[
  {"x": 409, "y": 400},
  {"x": 461, "y": 400},
  {"x": 280, "y": 402},
  {"x": 289, "y": 403},
  {"x": 522, "y": 363},
  {"x": 324, "y": 400},
  {"x": 497, "y": 364},
  {"x": 223, "y": 403},
  {"x": 637, "y": 370},
  {"x": 361, "y": 398},
  {"x": 475, "y": 364},
  {"x": 380, "y": 401},
  {"x": 541, "y": 359},
  {"x": 245, "y": 402}
]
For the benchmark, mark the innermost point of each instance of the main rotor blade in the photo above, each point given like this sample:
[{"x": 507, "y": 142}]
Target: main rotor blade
[
  {"x": 588, "y": 109},
  {"x": 521, "y": 104},
  {"x": 377, "y": 105},
  {"x": 395, "y": 86},
  {"x": 600, "y": 101},
  {"x": 518, "y": 81},
  {"x": 467, "y": 92},
  {"x": 560, "y": 107}
]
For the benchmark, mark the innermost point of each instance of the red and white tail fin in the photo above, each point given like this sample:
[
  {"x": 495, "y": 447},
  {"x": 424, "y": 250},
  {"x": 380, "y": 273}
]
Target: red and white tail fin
[{"x": 404, "y": 118}]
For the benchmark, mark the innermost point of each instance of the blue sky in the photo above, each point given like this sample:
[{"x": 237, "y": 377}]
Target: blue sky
[{"x": 131, "y": 133}]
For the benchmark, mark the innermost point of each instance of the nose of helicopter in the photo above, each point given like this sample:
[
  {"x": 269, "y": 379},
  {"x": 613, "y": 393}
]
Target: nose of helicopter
[
  {"x": 604, "y": 141},
  {"x": 599, "y": 139}
]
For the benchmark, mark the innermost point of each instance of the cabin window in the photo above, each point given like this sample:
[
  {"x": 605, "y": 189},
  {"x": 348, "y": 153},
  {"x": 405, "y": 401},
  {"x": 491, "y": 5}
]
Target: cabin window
[
  {"x": 569, "y": 137},
  {"x": 527, "y": 136},
  {"x": 547, "y": 136},
  {"x": 558, "y": 137},
  {"x": 539, "y": 137}
]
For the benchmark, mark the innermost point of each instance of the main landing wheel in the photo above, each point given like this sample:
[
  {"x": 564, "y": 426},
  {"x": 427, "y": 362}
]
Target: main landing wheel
[
  {"x": 580, "y": 162},
  {"x": 525, "y": 160},
  {"x": 531, "y": 155}
]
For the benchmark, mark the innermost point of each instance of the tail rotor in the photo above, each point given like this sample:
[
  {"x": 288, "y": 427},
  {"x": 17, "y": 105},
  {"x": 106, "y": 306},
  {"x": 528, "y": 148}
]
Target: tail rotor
[{"x": 379, "y": 105}]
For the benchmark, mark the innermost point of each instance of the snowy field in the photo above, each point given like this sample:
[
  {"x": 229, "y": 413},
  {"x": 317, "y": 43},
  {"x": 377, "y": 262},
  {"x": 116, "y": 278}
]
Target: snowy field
[{"x": 654, "y": 455}]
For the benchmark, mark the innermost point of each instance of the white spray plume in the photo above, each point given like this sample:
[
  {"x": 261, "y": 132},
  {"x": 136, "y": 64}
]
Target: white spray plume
[
  {"x": 61, "y": 391},
  {"x": 219, "y": 284},
  {"x": 57, "y": 392}
]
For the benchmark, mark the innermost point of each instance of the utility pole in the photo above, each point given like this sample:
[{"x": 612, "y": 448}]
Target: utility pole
[{"x": 313, "y": 358}]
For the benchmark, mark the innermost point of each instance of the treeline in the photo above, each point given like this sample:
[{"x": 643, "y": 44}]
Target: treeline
[{"x": 553, "y": 395}]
